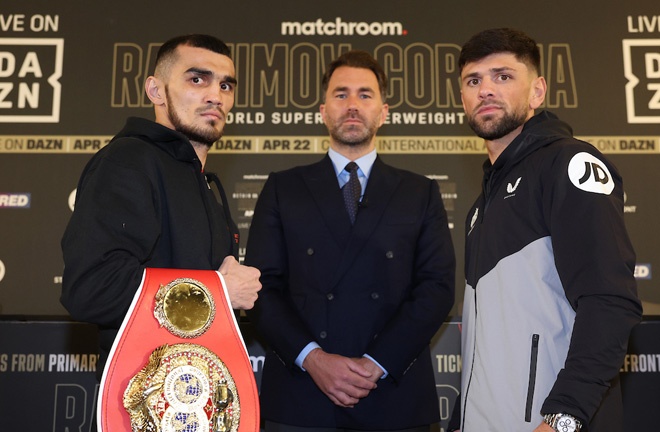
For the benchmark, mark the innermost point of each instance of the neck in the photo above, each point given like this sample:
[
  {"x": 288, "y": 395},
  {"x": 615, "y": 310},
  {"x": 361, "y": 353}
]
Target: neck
[
  {"x": 202, "y": 151},
  {"x": 353, "y": 152},
  {"x": 497, "y": 146}
]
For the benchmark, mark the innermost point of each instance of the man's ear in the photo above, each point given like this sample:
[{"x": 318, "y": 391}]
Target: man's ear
[
  {"x": 539, "y": 88},
  {"x": 155, "y": 90},
  {"x": 322, "y": 110},
  {"x": 383, "y": 114}
]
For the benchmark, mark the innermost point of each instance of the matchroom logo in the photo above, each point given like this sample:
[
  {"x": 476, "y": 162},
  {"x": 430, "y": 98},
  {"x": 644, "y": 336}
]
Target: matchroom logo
[
  {"x": 641, "y": 62},
  {"x": 30, "y": 70},
  {"x": 339, "y": 27}
]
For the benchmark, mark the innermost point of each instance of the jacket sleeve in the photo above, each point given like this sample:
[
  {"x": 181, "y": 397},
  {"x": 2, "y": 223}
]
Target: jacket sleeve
[
  {"x": 595, "y": 261},
  {"x": 430, "y": 297},
  {"x": 110, "y": 235},
  {"x": 275, "y": 317}
]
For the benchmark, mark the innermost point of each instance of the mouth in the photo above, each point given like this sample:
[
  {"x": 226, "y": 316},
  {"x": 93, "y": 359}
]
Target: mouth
[
  {"x": 352, "y": 120},
  {"x": 213, "y": 114},
  {"x": 487, "y": 109}
]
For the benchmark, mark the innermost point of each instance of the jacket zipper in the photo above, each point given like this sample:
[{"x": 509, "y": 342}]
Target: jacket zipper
[{"x": 532, "y": 378}]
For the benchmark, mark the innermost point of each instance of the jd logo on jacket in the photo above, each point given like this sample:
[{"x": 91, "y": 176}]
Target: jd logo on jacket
[{"x": 590, "y": 174}]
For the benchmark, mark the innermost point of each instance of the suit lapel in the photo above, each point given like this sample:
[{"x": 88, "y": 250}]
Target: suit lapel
[{"x": 321, "y": 180}]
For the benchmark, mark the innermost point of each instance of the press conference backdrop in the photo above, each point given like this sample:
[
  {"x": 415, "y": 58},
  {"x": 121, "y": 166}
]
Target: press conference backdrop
[{"x": 72, "y": 71}]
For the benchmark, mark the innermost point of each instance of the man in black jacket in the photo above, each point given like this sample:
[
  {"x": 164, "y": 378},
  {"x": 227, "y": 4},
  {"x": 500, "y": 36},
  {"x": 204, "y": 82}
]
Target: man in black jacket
[
  {"x": 550, "y": 298},
  {"x": 144, "y": 200}
]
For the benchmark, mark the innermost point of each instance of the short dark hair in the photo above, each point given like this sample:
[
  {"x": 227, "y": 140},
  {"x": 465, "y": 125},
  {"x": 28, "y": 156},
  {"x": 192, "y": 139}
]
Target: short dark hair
[
  {"x": 501, "y": 40},
  {"x": 167, "y": 51},
  {"x": 356, "y": 59}
]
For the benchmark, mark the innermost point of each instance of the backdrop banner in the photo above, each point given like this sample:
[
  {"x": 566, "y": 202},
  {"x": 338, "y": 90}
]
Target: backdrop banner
[
  {"x": 48, "y": 374},
  {"x": 71, "y": 73}
]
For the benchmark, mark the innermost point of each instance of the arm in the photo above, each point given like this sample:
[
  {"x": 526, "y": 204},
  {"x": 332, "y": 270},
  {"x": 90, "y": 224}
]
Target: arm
[
  {"x": 111, "y": 233},
  {"x": 273, "y": 314},
  {"x": 595, "y": 261}
]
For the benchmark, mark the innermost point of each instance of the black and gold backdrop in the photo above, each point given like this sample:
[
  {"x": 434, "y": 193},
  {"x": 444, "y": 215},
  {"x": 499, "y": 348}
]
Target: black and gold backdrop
[{"x": 72, "y": 71}]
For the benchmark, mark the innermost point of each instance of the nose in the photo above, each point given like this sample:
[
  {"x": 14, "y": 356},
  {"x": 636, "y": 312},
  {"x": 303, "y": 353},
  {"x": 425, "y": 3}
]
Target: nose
[
  {"x": 352, "y": 102},
  {"x": 486, "y": 88},
  {"x": 215, "y": 96}
]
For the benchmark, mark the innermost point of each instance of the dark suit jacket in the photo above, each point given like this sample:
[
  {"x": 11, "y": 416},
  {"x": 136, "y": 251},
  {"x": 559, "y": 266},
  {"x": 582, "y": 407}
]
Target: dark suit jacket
[{"x": 381, "y": 287}]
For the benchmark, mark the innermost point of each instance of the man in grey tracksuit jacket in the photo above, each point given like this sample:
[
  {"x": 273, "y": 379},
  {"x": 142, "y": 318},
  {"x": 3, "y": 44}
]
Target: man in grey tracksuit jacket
[
  {"x": 550, "y": 296},
  {"x": 539, "y": 249}
]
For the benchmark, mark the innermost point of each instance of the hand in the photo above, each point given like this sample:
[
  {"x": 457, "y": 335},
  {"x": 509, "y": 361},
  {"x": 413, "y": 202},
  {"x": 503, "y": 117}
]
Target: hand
[
  {"x": 373, "y": 368},
  {"x": 544, "y": 427},
  {"x": 242, "y": 283},
  {"x": 340, "y": 378}
]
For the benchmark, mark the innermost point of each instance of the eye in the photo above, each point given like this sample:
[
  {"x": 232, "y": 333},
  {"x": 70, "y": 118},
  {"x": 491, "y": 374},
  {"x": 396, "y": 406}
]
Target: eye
[
  {"x": 472, "y": 82},
  {"x": 197, "y": 80},
  {"x": 504, "y": 77},
  {"x": 225, "y": 86}
]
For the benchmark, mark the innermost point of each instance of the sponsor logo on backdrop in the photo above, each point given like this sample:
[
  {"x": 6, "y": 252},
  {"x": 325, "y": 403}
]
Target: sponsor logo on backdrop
[
  {"x": 15, "y": 200},
  {"x": 643, "y": 271},
  {"x": 30, "y": 72},
  {"x": 54, "y": 362},
  {"x": 641, "y": 363},
  {"x": 72, "y": 199},
  {"x": 641, "y": 65},
  {"x": 339, "y": 27},
  {"x": 627, "y": 207}
]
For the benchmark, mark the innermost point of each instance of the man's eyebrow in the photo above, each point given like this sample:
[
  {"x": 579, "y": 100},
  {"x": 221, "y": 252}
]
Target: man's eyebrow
[
  {"x": 472, "y": 75},
  {"x": 205, "y": 72},
  {"x": 230, "y": 79},
  {"x": 361, "y": 89},
  {"x": 491, "y": 70},
  {"x": 502, "y": 69},
  {"x": 199, "y": 71}
]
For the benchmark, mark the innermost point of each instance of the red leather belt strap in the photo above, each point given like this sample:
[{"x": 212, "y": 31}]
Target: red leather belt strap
[{"x": 141, "y": 335}]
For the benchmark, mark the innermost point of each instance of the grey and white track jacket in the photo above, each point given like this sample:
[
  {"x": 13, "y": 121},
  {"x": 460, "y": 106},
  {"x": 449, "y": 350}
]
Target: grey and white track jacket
[{"x": 550, "y": 296}]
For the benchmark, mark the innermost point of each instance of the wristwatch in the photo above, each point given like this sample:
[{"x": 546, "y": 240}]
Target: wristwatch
[{"x": 563, "y": 422}]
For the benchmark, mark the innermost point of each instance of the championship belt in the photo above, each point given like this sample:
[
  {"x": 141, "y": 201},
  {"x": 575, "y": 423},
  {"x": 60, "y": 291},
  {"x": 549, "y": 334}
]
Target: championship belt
[{"x": 179, "y": 362}]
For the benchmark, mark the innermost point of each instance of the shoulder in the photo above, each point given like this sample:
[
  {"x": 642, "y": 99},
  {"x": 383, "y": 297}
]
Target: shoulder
[
  {"x": 131, "y": 152},
  {"x": 571, "y": 161},
  {"x": 573, "y": 152},
  {"x": 314, "y": 170},
  {"x": 405, "y": 175}
]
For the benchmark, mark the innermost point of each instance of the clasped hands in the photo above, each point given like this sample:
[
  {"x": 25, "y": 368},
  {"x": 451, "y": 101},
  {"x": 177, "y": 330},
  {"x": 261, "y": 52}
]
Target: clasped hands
[{"x": 344, "y": 380}]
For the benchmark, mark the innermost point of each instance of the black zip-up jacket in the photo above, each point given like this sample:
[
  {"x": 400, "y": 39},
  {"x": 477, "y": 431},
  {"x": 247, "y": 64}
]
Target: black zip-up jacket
[
  {"x": 551, "y": 297},
  {"x": 142, "y": 201}
]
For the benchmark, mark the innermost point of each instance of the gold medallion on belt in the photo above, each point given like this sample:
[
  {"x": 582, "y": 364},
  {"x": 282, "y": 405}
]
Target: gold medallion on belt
[{"x": 185, "y": 307}]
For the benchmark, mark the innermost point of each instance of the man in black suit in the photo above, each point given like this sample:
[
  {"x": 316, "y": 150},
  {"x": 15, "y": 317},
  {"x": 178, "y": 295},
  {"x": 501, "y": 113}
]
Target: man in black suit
[{"x": 350, "y": 302}]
